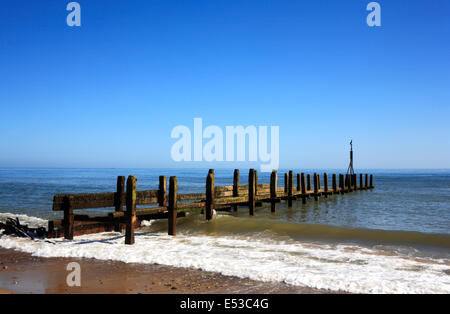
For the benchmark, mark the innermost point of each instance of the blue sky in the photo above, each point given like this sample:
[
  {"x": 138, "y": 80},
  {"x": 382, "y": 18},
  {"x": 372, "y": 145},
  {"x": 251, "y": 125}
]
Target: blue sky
[{"x": 107, "y": 94}]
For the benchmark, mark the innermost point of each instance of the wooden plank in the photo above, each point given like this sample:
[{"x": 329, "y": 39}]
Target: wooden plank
[
  {"x": 131, "y": 209},
  {"x": 231, "y": 200},
  {"x": 141, "y": 211},
  {"x": 191, "y": 197},
  {"x": 85, "y": 200},
  {"x": 227, "y": 188},
  {"x": 101, "y": 200},
  {"x": 172, "y": 209},
  {"x": 209, "y": 195},
  {"x": 188, "y": 206},
  {"x": 147, "y": 197}
]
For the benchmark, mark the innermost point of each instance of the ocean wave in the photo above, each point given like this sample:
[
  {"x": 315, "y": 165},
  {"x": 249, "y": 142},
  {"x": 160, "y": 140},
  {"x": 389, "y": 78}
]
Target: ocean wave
[{"x": 261, "y": 256}]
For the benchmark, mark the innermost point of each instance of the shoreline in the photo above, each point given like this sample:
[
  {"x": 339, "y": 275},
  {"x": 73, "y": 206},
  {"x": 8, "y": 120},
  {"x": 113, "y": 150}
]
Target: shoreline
[{"x": 23, "y": 273}]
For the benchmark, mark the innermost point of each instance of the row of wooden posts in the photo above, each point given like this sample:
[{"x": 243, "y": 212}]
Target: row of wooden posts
[{"x": 172, "y": 205}]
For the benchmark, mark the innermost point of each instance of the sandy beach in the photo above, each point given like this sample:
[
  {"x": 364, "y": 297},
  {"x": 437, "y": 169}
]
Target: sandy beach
[{"x": 24, "y": 273}]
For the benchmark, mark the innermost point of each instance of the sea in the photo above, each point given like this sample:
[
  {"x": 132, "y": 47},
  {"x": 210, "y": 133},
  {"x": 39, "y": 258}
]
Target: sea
[{"x": 392, "y": 239}]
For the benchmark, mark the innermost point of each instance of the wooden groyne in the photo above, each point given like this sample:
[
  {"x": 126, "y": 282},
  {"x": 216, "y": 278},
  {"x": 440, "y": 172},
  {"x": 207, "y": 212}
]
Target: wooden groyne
[{"x": 172, "y": 205}]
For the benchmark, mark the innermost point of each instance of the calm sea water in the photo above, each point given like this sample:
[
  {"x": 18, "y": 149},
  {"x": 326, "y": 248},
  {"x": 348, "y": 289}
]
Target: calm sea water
[{"x": 394, "y": 238}]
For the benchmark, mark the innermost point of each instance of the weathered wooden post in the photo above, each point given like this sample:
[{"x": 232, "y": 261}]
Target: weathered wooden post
[
  {"x": 236, "y": 186},
  {"x": 299, "y": 185},
  {"x": 308, "y": 182},
  {"x": 68, "y": 218},
  {"x": 131, "y": 209},
  {"x": 118, "y": 201},
  {"x": 318, "y": 181},
  {"x": 346, "y": 183},
  {"x": 366, "y": 185},
  {"x": 119, "y": 192},
  {"x": 162, "y": 191},
  {"x": 325, "y": 184},
  {"x": 273, "y": 190},
  {"x": 172, "y": 209},
  {"x": 334, "y": 183},
  {"x": 256, "y": 182},
  {"x": 361, "y": 184},
  {"x": 290, "y": 188},
  {"x": 341, "y": 183},
  {"x": 286, "y": 183},
  {"x": 371, "y": 181},
  {"x": 210, "y": 193},
  {"x": 316, "y": 187},
  {"x": 303, "y": 188},
  {"x": 355, "y": 182},
  {"x": 251, "y": 192}
]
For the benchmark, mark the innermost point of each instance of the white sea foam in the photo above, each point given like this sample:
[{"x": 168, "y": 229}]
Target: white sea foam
[
  {"x": 337, "y": 267},
  {"x": 32, "y": 222}
]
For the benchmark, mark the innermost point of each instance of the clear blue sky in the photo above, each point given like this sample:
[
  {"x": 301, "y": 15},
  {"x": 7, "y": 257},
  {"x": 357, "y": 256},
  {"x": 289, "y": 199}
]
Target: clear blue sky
[{"x": 108, "y": 94}]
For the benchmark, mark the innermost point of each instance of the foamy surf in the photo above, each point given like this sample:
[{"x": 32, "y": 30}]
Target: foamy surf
[{"x": 345, "y": 267}]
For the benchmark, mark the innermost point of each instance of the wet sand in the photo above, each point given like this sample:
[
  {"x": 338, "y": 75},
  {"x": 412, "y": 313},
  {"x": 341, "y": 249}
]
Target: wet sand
[{"x": 24, "y": 273}]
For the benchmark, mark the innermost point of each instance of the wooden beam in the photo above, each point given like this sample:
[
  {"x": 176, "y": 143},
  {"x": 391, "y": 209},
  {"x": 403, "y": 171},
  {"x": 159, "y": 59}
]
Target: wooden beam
[
  {"x": 251, "y": 192},
  {"x": 131, "y": 209},
  {"x": 273, "y": 190},
  {"x": 162, "y": 191},
  {"x": 119, "y": 200},
  {"x": 303, "y": 188},
  {"x": 236, "y": 187},
  {"x": 172, "y": 209},
  {"x": 325, "y": 184},
  {"x": 290, "y": 187},
  {"x": 68, "y": 217},
  {"x": 286, "y": 183},
  {"x": 210, "y": 195},
  {"x": 316, "y": 187},
  {"x": 118, "y": 196},
  {"x": 334, "y": 183},
  {"x": 371, "y": 181},
  {"x": 308, "y": 182}
]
